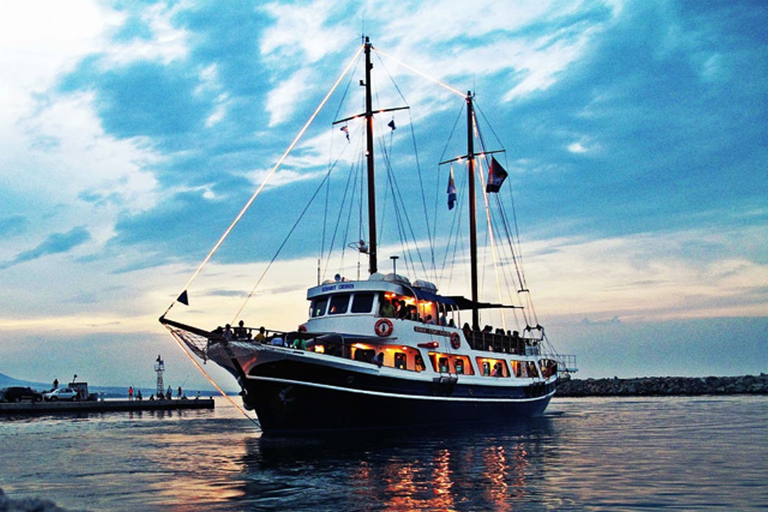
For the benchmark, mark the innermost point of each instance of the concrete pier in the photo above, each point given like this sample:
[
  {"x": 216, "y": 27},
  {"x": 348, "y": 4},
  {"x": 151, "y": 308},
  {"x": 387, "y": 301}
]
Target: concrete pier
[{"x": 104, "y": 406}]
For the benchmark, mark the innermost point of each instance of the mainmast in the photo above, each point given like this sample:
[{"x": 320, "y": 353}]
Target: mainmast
[
  {"x": 472, "y": 215},
  {"x": 372, "y": 265}
]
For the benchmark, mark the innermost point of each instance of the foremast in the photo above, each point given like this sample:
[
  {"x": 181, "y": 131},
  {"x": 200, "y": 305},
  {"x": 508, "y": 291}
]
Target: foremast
[{"x": 372, "y": 243}]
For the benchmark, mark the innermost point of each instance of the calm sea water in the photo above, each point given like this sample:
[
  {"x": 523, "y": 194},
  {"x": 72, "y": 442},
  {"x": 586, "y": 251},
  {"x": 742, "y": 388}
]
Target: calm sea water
[{"x": 659, "y": 454}]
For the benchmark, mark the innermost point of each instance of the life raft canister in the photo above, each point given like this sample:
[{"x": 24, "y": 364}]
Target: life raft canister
[
  {"x": 455, "y": 341},
  {"x": 383, "y": 327}
]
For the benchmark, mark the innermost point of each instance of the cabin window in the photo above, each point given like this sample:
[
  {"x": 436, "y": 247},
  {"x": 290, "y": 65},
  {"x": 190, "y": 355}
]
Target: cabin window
[
  {"x": 339, "y": 304},
  {"x": 318, "y": 306},
  {"x": 443, "y": 364},
  {"x": 419, "y": 363},
  {"x": 463, "y": 366},
  {"x": 362, "y": 303},
  {"x": 493, "y": 367},
  {"x": 364, "y": 355},
  {"x": 401, "y": 361}
]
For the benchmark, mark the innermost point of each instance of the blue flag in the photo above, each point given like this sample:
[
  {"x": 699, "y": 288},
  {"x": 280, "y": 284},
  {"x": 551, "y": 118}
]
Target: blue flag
[
  {"x": 496, "y": 176},
  {"x": 451, "y": 191}
]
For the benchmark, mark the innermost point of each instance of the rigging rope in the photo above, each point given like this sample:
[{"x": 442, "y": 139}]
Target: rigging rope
[{"x": 269, "y": 175}]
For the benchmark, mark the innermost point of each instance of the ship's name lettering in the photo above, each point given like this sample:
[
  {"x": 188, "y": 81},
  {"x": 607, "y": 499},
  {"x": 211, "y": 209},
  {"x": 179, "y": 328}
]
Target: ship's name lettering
[
  {"x": 437, "y": 332},
  {"x": 346, "y": 286}
]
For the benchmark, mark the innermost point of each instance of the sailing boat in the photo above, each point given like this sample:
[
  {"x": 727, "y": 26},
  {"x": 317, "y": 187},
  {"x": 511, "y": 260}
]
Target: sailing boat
[{"x": 382, "y": 351}]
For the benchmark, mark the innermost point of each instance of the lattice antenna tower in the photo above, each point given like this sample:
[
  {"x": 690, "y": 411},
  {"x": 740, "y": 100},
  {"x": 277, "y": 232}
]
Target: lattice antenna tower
[{"x": 159, "y": 369}]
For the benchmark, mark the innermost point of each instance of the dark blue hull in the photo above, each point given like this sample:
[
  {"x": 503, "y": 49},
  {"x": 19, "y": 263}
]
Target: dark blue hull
[{"x": 291, "y": 398}]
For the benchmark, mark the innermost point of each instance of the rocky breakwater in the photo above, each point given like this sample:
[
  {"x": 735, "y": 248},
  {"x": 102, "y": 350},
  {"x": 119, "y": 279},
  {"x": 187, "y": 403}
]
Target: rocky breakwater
[
  {"x": 666, "y": 386},
  {"x": 28, "y": 505}
]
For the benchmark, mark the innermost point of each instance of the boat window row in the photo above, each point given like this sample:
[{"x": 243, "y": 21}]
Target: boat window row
[
  {"x": 407, "y": 358},
  {"x": 492, "y": 367},
  {"x": 388, "y": 304}
]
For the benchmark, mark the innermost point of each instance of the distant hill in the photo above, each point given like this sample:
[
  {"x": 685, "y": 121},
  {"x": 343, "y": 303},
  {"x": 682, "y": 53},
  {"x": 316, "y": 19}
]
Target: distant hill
[{"x": 6, "y": 380}]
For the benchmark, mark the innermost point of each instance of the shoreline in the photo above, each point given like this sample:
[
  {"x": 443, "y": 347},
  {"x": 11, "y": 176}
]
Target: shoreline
[{"x": 665, "y": 386}]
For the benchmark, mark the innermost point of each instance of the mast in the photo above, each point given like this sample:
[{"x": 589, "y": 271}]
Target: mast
[
  {"x": 472, "y": 216},
  {"x": 372, "y": 266}
]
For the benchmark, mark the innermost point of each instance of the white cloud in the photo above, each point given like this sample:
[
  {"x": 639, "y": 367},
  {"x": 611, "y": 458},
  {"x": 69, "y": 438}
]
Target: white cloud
[
  {"x": 75, "y": 175},
  {"x": 166, "y": 44},
  {"x": 283, "y": 99},
  {"x": 40, "y": 41},
  {"x": 647, "y": 276}
]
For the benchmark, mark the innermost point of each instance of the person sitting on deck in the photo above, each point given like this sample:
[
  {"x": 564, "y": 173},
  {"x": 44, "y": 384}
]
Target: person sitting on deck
[{"x": 228, "y": 334}]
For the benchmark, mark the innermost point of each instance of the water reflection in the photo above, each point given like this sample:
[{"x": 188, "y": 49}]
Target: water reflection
[{"x": 483, "y": 468}]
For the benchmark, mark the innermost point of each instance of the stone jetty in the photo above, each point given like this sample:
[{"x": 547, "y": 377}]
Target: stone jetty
[{"x": 665, "y": 386}]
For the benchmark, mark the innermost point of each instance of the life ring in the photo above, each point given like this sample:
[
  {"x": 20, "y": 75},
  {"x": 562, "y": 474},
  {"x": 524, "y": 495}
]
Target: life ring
[
  {"x": 455, "y": 341},
  {"x": 384, "y": 327}
]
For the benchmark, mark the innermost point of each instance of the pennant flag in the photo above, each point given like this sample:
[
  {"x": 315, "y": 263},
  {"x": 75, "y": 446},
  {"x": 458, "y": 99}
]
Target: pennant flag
[
  {"x": 183, "y": 298},
  {"x": 345, "y": 129},
  {"x": 451, "y": 191},
  {"x": 391, "y": 124},
  {"x": 496, "y": 176}
]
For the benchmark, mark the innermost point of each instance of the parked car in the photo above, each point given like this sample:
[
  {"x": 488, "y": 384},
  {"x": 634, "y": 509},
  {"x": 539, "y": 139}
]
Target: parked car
[
  {"x": 60, "y": 394},
  {"x": 18, "y": 393}
]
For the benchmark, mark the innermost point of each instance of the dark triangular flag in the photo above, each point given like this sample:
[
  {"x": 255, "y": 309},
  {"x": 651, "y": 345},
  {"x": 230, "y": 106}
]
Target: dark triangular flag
[
  {"x": 496, "y": 176},
  {"x": 183, "y": 298},
  {"x": 345, "y": 129},
  {"x": 391, "y": 124},
  {"x": 451, "y": 191}
]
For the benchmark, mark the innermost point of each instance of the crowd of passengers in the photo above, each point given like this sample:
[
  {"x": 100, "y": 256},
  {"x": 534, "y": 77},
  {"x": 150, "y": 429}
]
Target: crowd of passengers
[{"x": 392, "y": 308}]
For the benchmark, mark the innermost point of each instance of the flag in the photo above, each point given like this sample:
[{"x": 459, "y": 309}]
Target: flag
[
  {"x": 183, "y": 298},
  {"x": 345, "y": 129},
  {"x": 391, "y": 124},
  {"x": 451, "y": 191},
  {"x": 496, "y": 176}
]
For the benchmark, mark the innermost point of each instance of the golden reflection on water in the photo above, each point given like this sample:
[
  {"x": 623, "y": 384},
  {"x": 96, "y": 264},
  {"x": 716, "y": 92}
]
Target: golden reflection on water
[{"x": 447, "y": 478}]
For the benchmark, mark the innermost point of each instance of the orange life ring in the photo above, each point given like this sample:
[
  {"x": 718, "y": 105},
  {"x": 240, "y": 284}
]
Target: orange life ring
[
  {"x": 455, "y": 341},
  {"x": 384, "y": 327}
]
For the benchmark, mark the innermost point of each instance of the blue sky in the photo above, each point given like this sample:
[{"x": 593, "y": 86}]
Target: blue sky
[{"x": 131, "y": 133}]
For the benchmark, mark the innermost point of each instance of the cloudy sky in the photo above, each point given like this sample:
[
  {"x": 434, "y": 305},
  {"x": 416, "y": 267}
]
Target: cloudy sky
[{"x": 131, "y": 134}]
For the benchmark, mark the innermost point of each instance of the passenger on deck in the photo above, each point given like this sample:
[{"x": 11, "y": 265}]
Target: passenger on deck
[
  {"x": 443, "y": 320},
  {"x": 299, "y": 343},
  {"x": 497, "y": 372},
  {"x": 387, "y": 309},
  {"x": 402, "y": 310},
  {"x": 379, "y": 358},
  {"x": 260, "y": 336},
  {"x": 240, "y": 331},
  {"x": 429, "y": 320},
  {"x": 228, "y": 334}
]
